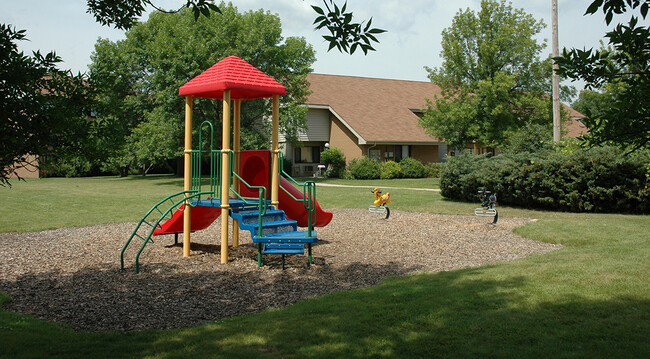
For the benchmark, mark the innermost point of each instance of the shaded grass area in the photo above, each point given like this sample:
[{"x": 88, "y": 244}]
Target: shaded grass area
[{"x": 590, "y": 299}]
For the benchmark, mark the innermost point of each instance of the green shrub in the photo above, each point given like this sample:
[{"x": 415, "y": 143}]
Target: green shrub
[
  {"x": 433, "y": 169},
  {"x": 595, "y": 180},
  {"x": 390, "y": 170},
  {"x": 73, "y": 166},
  {"x": 334, "y": 161},
  {"x": 364, "y": 168},
  {"x": 412, "y": 168}
]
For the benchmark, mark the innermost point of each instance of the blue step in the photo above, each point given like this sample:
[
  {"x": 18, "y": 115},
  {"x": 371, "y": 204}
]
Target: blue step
[
  {"x": 290, "y": 248},
  {"x": 275, "y": 227},
  {"x": 287, "y": 237},
  {"x": 253, "y": 218},
  {"x": 234, "y": 203}
]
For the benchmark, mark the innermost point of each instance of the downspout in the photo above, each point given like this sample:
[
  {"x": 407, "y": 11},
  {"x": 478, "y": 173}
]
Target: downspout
[{"x": 370, "y": 148}]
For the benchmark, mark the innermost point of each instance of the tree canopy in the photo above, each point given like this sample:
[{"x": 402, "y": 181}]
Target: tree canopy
[
  {"x": 493, "y": 81},
  {"x": 344, "y": 34},
  {"x": 139, "y": 112},
  {"x": 41, "y": 107},
  {"x": 621, "y": 71}
]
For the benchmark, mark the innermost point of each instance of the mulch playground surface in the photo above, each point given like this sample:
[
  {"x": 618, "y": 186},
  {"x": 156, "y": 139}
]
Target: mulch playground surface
[{"x": 72, "y": 275}]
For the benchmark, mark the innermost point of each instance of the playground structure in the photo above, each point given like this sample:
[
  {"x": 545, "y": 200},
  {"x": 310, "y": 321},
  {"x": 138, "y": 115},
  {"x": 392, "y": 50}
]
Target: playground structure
[
  {"x": 488, "y": 204},
  {"x": 379, "y": 205},
  {"x": 245, "y": 185}
]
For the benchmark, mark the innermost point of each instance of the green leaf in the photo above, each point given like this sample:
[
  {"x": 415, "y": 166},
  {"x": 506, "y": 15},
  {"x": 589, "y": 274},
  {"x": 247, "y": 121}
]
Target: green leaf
[
  {"x": 368, "y": 25},
  {"x": 214, "y": 7},
  {"x": 318, "y": 10},
  {"x": 320, "y": 19},
  {"x": 353, "y": 48},
  {"x": 594, "y": 7},
  {"x": 376, "y": 31}
]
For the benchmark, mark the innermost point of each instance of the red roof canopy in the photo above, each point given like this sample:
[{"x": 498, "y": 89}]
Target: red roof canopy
[{"x": 244, "y": 81}]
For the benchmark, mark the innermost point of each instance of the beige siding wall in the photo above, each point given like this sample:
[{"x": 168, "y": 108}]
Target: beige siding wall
[
  {"x": 29, "y": 172},
  {"x": 425, "y": 154},
  {"x": 344, "y": 139},
  {"x": 318, "y": 126}
]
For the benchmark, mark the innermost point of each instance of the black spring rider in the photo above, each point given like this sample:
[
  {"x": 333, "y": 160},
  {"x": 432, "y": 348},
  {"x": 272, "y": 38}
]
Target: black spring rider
[{"x": 488, "y": 204}]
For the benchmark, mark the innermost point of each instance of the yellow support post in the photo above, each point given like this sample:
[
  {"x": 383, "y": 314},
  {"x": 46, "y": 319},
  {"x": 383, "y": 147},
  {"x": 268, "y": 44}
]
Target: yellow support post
[
  {"x": 275, "y": 150},
  {"x": 225, "y": 176},
  {"x": 187, "y": 176},
  {"x": 237, "y": 150}
]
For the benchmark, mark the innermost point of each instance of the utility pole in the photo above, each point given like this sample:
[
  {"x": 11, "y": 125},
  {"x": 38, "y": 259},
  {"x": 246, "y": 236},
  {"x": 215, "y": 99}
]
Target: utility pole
[{"x": 556, "y": 78}]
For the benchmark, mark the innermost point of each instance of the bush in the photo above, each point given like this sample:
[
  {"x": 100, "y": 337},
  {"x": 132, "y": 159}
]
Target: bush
[
  {"x": 594, "y": 180},
  {"x": 412, "y": 168},
  {"x": 433, "y": 169},
  {"x": 334, "y": 162},
  {"x": 390, "y": 170},
  {"x": 73, "y": 166},
  {"x": 364, "y": 168}
]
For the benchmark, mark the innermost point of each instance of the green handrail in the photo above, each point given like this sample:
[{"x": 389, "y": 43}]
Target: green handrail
[
  {"x": 261, "y": 201},
  {"x": 175, "y": 203},
  {"x": 309, "y": 196},
  {"x": 215, "y": 164}
]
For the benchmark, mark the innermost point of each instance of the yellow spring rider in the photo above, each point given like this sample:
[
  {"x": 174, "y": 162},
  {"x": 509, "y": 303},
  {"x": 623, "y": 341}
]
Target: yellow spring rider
[{"x": 379, "y": 206}]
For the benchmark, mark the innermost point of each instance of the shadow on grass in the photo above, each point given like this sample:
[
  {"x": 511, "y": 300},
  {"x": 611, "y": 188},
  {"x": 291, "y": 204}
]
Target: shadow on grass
[{"x": 449, "y": 314}]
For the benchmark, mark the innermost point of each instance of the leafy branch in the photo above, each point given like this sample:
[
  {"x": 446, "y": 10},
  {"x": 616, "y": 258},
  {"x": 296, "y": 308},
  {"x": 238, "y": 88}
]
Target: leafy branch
[
  {"x": 346, "y": 36},
  {"x": 123, "y": 14}
]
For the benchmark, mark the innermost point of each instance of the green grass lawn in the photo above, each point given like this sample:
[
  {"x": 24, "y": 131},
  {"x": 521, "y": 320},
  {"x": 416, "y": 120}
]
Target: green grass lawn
[{"x": 589, "y": 299}]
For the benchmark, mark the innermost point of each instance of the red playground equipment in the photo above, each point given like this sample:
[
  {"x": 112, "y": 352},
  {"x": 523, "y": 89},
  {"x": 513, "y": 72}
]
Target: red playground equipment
[
  {"x": 247, "y": 186},
  {"x": 255, "y": 169},
  {"x": 202, "y": 218}
]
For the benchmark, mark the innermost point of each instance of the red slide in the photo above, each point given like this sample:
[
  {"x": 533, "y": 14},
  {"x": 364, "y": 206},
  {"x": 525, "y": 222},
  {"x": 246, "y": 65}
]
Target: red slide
[
  {"x": 201, "y": 217},
  {"x": 296, "y": 210},
  {"x": 255, "y": 169}
]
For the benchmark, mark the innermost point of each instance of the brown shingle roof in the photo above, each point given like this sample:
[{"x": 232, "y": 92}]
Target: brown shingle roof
[
  {"x": 379, "y": 110},
  {"x": 574, "y": 128}
]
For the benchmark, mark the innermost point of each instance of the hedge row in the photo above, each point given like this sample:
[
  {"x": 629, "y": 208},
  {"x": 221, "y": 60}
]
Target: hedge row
[
  {"x": 367, "y": 168},
  {"x": 588, "y": 180}
]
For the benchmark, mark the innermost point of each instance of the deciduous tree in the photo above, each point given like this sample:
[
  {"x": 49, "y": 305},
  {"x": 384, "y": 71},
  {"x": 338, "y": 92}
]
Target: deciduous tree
[
  {"x": 493, "y": 81},
  {"x": 622, "y": 71},
  {"x": 137, "y": 80},
  {"x": 41, "y": 107},
  {"x": 344, "y": 34}
]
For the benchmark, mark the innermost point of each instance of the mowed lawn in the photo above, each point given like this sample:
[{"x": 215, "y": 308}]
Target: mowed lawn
[{"x": 589, "y": 299}]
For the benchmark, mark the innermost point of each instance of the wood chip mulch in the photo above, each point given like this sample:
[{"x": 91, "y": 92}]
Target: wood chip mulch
[{"x": 72, "y": 275}]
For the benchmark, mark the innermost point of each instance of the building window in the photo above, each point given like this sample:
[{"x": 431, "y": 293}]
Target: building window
[
  {"x": 375, "y": 155},
  {"x": 402, "y": 152},
  {"x": 307, "y": 154}
]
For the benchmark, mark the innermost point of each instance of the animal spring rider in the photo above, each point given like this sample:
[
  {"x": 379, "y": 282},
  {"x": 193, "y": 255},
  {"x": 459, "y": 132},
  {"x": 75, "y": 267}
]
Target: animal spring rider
[
  {"x": 488, "y": 204},
  {"x": 379, "y": 206}
]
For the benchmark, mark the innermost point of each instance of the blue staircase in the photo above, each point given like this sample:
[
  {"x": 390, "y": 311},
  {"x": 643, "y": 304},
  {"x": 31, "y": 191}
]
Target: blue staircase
[{"x": 279, "y": 235}]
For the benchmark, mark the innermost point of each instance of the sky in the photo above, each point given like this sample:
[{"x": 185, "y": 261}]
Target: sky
[{"x": 411, "y": 43}]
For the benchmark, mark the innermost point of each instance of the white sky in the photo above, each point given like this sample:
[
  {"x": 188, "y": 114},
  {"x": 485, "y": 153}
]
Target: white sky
[{"x": 412, "y": 41}]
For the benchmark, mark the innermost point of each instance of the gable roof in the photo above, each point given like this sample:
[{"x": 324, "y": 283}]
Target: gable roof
[
  {"x": 244, "y": 81},
  {"x": 383, "y": 111},
  {"x": 574, "y": 127},
  {"x": 375, "y": 110}
]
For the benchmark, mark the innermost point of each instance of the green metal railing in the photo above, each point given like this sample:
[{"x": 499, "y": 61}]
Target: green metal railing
[
  {"x": 308, "y": 193},
  {"x": 176, "y": 200},
  {"x": 215, "y": 164},
  {"x": 261, "y": 199}
]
